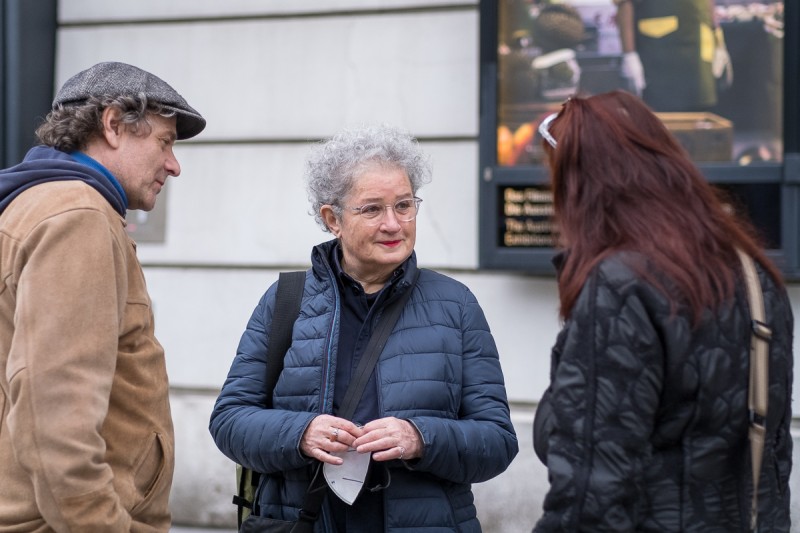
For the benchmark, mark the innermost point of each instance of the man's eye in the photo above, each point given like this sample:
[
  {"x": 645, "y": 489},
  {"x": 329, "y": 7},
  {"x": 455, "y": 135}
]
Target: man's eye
[{"x": 371, "y": 210}]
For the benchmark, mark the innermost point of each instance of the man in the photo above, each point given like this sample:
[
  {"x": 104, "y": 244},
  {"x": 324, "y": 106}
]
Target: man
[{"x": 86, "y": 436}]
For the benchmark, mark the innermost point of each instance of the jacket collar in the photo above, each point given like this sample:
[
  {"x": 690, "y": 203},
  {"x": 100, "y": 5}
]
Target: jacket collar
[{"x": 325, "y": 262}]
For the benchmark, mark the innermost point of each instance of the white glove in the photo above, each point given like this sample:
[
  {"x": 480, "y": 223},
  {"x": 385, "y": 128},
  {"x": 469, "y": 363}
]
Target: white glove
[
  {"x": 633, "y": 71},
  {"x": 721, "y": 66}
]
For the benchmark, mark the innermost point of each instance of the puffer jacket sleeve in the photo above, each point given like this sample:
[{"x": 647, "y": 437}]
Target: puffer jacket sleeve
[
  {"x": 265, "y": 440},
  {"x": 605, "y": 393},
  {"x": 782, "y": 377},
  {"x": 481, "y": 442}
]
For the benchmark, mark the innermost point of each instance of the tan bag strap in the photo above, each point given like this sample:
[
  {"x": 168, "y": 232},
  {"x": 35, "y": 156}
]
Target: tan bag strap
[{"x": 758, "y": 389}]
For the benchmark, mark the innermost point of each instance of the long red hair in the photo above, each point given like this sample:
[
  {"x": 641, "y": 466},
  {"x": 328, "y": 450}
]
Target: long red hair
[{"x": 621, "y": 181}]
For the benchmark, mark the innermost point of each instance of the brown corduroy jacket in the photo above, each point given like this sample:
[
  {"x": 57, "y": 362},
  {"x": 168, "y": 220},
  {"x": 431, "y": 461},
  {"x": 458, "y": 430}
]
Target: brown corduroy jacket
[{"x": 86, "y": 436}]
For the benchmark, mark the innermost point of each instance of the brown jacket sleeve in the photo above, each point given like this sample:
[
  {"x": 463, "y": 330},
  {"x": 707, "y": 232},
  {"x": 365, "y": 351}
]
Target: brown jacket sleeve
[{"x": 70, "y": 298}]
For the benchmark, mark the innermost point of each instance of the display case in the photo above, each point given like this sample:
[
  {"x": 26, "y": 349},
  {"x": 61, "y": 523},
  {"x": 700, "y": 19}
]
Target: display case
[{"x": 741, "y": 129}]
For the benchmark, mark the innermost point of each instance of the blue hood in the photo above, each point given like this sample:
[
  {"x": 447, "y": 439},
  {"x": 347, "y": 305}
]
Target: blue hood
[{"x": 43, "y": 164}]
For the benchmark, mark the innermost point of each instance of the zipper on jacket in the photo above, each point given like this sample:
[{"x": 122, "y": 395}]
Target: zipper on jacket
[{"x": 326, "y": 385}]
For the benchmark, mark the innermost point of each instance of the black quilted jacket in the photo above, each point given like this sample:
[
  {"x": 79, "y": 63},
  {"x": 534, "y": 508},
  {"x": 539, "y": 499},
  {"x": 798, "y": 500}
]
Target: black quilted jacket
[{"x": 648, "y": 419}]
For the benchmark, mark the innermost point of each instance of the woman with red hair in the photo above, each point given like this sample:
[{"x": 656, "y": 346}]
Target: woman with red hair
[{"x": 645, "y": 424}]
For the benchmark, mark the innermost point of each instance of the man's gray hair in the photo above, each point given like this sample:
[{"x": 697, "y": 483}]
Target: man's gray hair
[
  {"x": 334, "y": 164},
  {"x": 69, "y": 128}
]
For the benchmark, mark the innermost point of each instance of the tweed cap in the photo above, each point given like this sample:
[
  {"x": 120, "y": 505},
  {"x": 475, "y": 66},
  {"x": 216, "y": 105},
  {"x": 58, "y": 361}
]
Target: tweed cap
[{"x": 120, "y": 79}]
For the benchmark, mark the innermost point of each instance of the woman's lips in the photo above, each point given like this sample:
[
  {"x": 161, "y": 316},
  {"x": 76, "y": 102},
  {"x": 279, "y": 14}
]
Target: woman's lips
[{"x": 390, "y": 244}]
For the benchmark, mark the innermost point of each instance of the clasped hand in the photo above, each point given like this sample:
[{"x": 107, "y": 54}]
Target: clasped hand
[{"x": 386, "y": 438}]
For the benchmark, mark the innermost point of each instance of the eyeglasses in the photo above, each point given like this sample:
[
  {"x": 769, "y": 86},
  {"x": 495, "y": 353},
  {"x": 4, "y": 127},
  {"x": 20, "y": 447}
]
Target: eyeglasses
[
  {"x": 544, "y": 130},
  {"x": 404, "y": 210}
]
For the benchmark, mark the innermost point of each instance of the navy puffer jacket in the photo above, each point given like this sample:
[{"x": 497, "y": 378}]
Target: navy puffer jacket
[
  {"x": 649, "y": 422},
  {"x": 439, "y": 370}
]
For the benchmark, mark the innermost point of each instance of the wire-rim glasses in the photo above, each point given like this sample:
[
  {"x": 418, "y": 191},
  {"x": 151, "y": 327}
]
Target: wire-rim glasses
[{"x": 405, "y": 210}]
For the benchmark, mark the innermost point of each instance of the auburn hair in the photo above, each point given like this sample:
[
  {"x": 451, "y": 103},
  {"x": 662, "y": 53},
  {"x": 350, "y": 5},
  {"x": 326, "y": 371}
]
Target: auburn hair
[{"x": 622, "y": 182}]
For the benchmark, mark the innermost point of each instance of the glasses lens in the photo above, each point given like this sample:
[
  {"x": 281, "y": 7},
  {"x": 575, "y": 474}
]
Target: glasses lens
[
  {"x": 372, "y": 210},
  {"x": 404, "y": 210},
  {"x": 404, "y": 207}
]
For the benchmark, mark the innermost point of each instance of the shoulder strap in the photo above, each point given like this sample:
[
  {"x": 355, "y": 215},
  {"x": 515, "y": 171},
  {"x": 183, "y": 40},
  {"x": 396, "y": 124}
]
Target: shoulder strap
[
  {"x": 758, "y": 389},
  {"x": 373, "y": 350},
  {"x": 287, "y": 307}
]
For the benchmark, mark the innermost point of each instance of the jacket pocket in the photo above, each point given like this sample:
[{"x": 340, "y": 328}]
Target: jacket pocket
[
  {"x": 658, "y": 27},
  {"x": 2, "y": 409},
  {"x": 149, "y": 467}
]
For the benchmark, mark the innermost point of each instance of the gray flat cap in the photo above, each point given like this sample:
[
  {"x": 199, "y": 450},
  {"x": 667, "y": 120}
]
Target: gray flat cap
[{"x": 120, "y": 79}]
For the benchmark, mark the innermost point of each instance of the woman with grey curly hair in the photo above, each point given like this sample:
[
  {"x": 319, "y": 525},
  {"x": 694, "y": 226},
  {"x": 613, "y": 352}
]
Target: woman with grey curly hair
[
  {"x": 332, "y": 165},
  {"x": 433, "y": 416}
]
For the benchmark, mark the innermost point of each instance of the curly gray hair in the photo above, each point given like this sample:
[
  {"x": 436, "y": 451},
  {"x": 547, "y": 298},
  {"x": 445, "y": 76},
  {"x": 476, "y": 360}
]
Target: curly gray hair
[
  {"x": 334, "y": 164},
  {"x": 69, "y": 128}
]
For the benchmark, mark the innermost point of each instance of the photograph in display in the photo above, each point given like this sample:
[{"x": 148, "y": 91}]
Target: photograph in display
[{"x": 712, "y": 70}]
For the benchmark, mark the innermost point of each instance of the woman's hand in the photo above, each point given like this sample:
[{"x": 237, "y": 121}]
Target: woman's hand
[
  {"x": 327, "y": 434},
  {"x": 389, "y": 438}
]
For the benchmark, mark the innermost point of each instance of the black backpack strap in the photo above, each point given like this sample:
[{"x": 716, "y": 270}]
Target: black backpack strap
[
  {"x": 245, "y": 477},
  {"x": 287, "y": 308}
]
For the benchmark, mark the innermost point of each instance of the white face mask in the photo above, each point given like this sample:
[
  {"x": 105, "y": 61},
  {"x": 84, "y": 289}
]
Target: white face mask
[{"x": 346, "y": 479}]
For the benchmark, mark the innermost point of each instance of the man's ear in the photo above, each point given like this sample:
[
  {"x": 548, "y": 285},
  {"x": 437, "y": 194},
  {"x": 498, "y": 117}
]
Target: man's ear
[
  {"x": 329, "y": 218},
  {"x": 112, "y": 126}
]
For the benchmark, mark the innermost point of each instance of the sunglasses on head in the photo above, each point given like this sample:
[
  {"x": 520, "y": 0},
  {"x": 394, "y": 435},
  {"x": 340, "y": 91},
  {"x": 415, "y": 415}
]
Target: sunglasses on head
[{"x": 544, "y": 130}]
